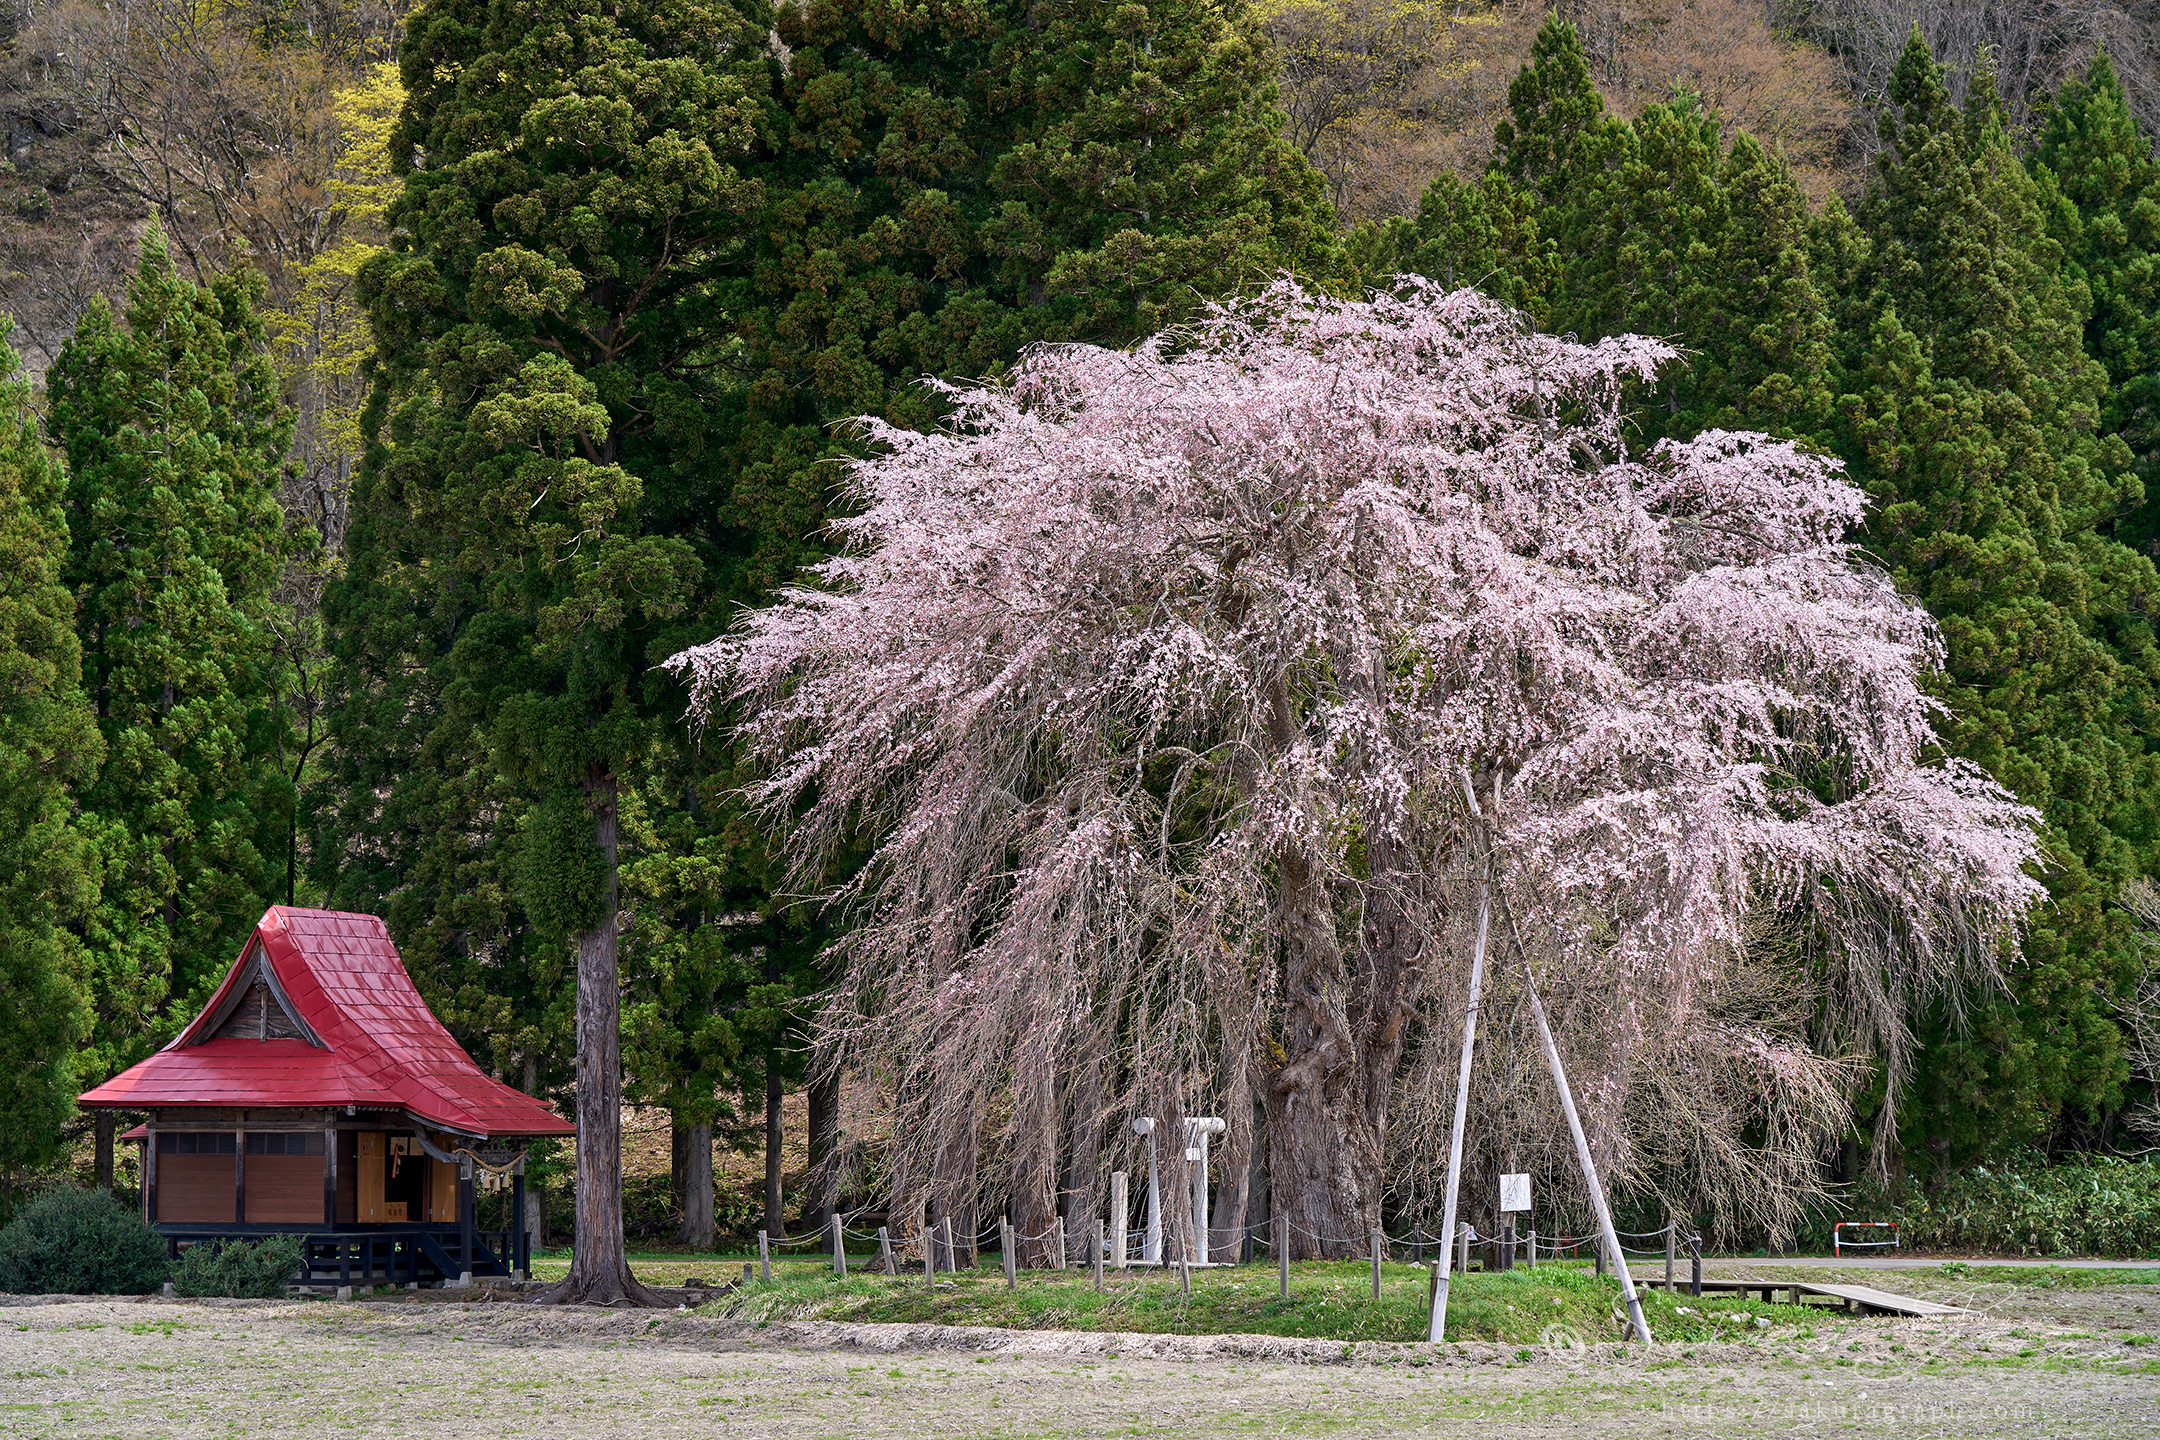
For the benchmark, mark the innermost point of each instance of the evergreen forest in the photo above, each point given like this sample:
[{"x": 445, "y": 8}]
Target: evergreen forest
[{"x": 392, "y": 389}]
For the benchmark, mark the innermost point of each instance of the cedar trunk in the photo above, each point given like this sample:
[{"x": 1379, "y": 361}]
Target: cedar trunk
[
  {"x": 599, "y": 1271},
  {"x": 773, "y": 1133},
  {"x": 103, "y": 1126},
  {"x": 695, "y": 1143}
]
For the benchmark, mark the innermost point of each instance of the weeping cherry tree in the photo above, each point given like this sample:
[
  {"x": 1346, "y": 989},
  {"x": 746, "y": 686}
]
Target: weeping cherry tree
[{"x": 1191, "y": 702}]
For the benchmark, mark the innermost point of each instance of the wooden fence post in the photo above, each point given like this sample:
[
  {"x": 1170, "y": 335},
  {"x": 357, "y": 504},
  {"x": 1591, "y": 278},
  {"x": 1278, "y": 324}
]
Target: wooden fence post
[
  {"x": 884, "y": 1250},
  {"x": 1672, "y": 1240},
  {"x": 1005, "y": 1238},
  {"x": 1059, "y": 1229},
  {"x": 1377, "y": 1241},
  {"x": 1282, "y": 1252},
  {"x": 929, "y": 1249},
  {"x": 1435, "y": 1322},
  {"x": 1098, "y": 1254},
  {"x": 839, "y": 1250},
  {"x": 1533, "y": 1249},
  {"x": 1462, "y": 1246},
  {"x": 764, "y": 1257},
  {"x": 1694, "y": 1260},
  {"x": 952, "y": 1256},
  {"x": 1118, "y": 1218}
]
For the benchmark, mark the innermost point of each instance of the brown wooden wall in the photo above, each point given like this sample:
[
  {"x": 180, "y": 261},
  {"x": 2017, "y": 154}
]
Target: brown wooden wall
[
  {"x": 285, "y": 1188},
  {"x": 200, "y": 1187}
]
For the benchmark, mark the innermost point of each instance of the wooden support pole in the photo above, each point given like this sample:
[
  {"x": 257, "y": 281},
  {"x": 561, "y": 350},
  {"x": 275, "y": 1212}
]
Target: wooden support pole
[
  {"x": 1005, "y": 1239},
  {"x": 1184, "y": 1275},
  {"x": 1532, "y": 1251},
  {"x": 1058, "y": 1233},
  {"x": 1119, "y": 1218},
  {"x": 1378, "y": 1240},
  {"x": 1282, "y": 1253},
  {"x": 1694, "y": 1261},
  {"x": 839, "y": 1247},
  {"x": 764, "y": 1257},
  {"x": 1435, "y": 1322},
  {"x": 884, "y": 1251},
  {"x": 1672, "y": 1241},
  {"x": 928, "y": 1239},
  {"x": 1098, "y": 1254},
  {"x": 1469, "y": 1036},
  {"x": 952, "y": 1256},
  {"x": 1463, "y": 1232},
  {"x": 1582, "y": 1149}
]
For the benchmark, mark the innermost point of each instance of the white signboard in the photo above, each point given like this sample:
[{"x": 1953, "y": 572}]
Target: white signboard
[{"x": 1514, "y": 1194}]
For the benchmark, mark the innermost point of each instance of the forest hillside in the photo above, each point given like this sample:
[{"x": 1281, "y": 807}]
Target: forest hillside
[{"x": 403, "y": 387}]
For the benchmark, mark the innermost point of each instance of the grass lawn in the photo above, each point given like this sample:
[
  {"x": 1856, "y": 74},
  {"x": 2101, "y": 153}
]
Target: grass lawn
[{"x": 1332, "y": 1300}]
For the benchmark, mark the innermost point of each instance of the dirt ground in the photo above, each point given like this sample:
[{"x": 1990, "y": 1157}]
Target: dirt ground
[{"x": 2029, "y": 1363}]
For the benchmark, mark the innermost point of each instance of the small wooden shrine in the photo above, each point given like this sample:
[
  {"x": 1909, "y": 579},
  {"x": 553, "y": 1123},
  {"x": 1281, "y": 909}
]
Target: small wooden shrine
[{"x": 317, "y": 1095}]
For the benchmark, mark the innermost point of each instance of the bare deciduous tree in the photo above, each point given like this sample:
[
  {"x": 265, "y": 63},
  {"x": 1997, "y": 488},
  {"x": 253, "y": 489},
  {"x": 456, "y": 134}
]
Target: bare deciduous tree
[{"x": 2031, "y": 45}]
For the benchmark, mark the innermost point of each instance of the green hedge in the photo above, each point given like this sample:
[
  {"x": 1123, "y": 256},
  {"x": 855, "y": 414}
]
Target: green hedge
[
  {"x": 244, "y": 1269},
  {"x": 66, "y": 1241}
]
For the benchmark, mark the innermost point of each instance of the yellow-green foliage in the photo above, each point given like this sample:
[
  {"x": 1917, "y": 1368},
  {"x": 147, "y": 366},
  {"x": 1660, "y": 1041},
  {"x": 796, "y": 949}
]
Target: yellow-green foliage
[{"x": 320, "y": 335}]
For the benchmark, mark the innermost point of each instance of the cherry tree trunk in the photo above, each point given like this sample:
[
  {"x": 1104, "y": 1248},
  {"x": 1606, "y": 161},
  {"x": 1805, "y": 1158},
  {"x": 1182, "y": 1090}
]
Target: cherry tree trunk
[
  {"x": 821, "y": 1182},
  {"x": 1082, "y": 1196},
  {"x": 599, "y": 1272},
  {"x": 1034, "y": 1160},
  {"x": 1342, "y": 1042},
  {"x": 1231, "y": 1163},
  {"x": 952, "y": 1187}
]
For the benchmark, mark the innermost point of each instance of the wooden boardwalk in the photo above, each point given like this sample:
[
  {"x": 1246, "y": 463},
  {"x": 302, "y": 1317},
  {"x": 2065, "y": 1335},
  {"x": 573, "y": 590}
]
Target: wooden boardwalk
[{"x": 1860, "y": 1299}]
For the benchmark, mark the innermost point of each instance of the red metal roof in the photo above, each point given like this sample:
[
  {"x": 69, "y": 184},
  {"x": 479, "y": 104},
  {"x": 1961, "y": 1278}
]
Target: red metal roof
[{"x": 382, "y": 1047}]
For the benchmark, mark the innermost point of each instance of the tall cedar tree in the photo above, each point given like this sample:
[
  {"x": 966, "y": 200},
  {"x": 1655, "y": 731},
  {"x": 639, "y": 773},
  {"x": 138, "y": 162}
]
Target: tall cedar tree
[
  {"x": 2107, "y": 219},
  {"x": 1660, "y": 233},
  {"x": 933, "y": 188},
  {"x": 174, "y": 432},
  {"x": 48, "y": 742},
  {"x": 550, "y": 323},
  {"x": 1552, "y": 105},
  {"x": 953, "y": 181},
  {"x": 1971, "y": 415}
]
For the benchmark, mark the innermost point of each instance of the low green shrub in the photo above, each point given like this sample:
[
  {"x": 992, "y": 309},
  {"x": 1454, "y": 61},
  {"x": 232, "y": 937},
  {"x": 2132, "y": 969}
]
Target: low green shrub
[
  {"x": 243, "y": 1269},
  {"x": 2097, "y": 1205},
  {"x": 66, "y": 1241}
]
